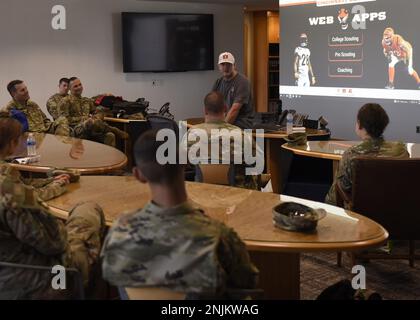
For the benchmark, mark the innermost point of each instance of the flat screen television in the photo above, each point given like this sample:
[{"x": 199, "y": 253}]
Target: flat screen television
[{"x": 165, "y": 42}]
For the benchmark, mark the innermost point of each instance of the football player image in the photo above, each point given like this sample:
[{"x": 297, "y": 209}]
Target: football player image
[
  {"x": 302, "y": 65},
  {"x": 396, "y": 49}
]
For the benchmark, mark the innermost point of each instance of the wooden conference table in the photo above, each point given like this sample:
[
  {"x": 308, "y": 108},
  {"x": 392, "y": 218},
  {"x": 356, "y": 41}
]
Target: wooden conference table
[
  {"x": 87, "y": 156},
  {"x": 274, "y": 251},
  {"x": 333, "y": 150}
]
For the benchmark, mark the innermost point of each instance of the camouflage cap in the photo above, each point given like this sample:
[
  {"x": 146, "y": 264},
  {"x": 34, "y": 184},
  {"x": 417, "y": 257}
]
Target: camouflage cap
[
  {"x": 294, "y": 216},
  {"x": 296, "y": 139}
]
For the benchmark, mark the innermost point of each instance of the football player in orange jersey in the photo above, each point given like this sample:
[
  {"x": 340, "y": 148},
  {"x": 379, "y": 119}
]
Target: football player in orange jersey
[{"x": 396, "y": 49}]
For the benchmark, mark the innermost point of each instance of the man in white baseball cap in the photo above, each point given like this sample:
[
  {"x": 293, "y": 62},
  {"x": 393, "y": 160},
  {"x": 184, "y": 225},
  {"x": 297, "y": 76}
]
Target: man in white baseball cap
[
  {"x": 226, "y": 57},
  {"x": 236, "y": 91}
]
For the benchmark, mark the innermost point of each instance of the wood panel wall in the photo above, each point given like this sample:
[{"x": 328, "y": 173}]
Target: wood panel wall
[{"x": 260, "y": 61}]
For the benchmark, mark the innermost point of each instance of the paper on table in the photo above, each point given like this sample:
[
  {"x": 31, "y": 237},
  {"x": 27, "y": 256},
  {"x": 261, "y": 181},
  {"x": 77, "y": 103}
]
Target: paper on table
[
  {"x": 27, "y": 160},
  {"x": 299, "y": 129}
]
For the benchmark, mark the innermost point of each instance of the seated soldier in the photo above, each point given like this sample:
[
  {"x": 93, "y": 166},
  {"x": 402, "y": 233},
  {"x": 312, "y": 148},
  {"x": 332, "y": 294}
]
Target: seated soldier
[
  {"x": 31, "y": 235},
  {"x": 170, "y": 243},
  {"x": 54, "y": 100},
  {"x": 46, "y": 188},
  {"x": 82, "y": 120},
  {"x": 371, "y": 122},
  {"x": 37, "y": 120},
  {"x": 215, "y": 110}
]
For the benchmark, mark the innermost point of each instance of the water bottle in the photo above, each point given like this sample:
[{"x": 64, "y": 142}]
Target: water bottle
[
  {"x": 289, "y": 123},
  {"x": 31, "y": 145}
]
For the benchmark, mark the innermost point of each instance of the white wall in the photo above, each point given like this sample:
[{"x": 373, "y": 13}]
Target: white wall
[{"x": 90, "y": 48}]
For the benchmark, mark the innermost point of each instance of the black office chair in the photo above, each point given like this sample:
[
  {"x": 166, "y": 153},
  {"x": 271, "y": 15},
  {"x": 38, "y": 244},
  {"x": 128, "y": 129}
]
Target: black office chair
[
  {"x": 157, "y": 121},
  {"x": 78, "y": 292}
]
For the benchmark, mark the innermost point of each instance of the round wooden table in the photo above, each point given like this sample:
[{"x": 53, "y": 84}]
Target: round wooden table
[
  {"x": 333, "y": 150},
  {"x": 87, "y": 156},
  {"x": 275, "y": 252}
]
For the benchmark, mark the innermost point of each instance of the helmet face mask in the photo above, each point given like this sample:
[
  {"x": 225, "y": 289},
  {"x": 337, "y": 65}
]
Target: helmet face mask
[
  {"x": 388, "y": 35},
  {"x": 343, "y": 15},
  {"x": 303, "y": 40}
]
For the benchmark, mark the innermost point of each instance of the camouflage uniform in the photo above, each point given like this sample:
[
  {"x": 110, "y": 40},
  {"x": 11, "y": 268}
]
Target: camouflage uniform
[
  {"x": 241, "y": 179},
  {"x": 180, "y": 248},
  {"x": 77, "y": 111},
  {"x": 369, "y": 147},
  {"x": 29, "y": 234},
  {"x": 46, "y": 188},
  {"x": 52, "y": 105},
  {"x": 37, "y": 120}
]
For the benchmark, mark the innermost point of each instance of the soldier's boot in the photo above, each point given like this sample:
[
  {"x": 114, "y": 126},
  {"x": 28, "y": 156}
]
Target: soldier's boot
[
  {"x": 109, "y": 139},
  {"x": 119, "y": 133}
]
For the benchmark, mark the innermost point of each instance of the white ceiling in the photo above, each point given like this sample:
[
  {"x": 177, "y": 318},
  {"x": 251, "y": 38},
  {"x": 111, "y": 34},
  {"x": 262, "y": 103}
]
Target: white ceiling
[{"x": 250, "y": 4}]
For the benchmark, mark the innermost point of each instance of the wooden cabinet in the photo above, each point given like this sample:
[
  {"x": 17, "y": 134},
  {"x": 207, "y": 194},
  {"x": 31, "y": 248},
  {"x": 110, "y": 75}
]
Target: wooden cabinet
[
  {"x": 273, "y": 27},
  {"x": 265, "y": 33},
  {"x": 273, "y": 76}
]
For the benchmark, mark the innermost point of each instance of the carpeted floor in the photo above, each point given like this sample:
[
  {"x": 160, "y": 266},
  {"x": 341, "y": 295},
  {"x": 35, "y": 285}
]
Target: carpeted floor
[{"x": 392, "y": 279}]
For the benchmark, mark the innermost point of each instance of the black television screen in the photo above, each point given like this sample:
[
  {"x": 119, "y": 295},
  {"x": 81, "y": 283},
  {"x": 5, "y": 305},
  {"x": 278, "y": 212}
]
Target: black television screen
[{"x": 162, "y": 42}]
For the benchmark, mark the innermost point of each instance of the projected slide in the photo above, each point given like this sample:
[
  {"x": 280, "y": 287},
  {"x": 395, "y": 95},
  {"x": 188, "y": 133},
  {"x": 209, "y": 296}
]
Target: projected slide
[{"x": 350, "y": 48}]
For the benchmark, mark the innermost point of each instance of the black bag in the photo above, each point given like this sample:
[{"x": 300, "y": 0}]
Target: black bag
[
  {"x": 120, "y": 107},
  {"x": 107, "y": 101},
  {"x": 128, "y": 107},
  {"x": 343, "y": 290}
]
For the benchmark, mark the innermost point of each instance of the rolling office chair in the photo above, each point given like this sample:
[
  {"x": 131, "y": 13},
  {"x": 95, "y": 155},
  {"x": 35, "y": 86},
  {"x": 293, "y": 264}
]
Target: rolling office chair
[
  {"x": 157, "y": 121},
  {"x": 223, "y": 174},
  {"x": 386, "y": 191}
]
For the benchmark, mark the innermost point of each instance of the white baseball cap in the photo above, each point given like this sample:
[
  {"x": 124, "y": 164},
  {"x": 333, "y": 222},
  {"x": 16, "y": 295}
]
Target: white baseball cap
[{"x": 226, "y": 57}]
